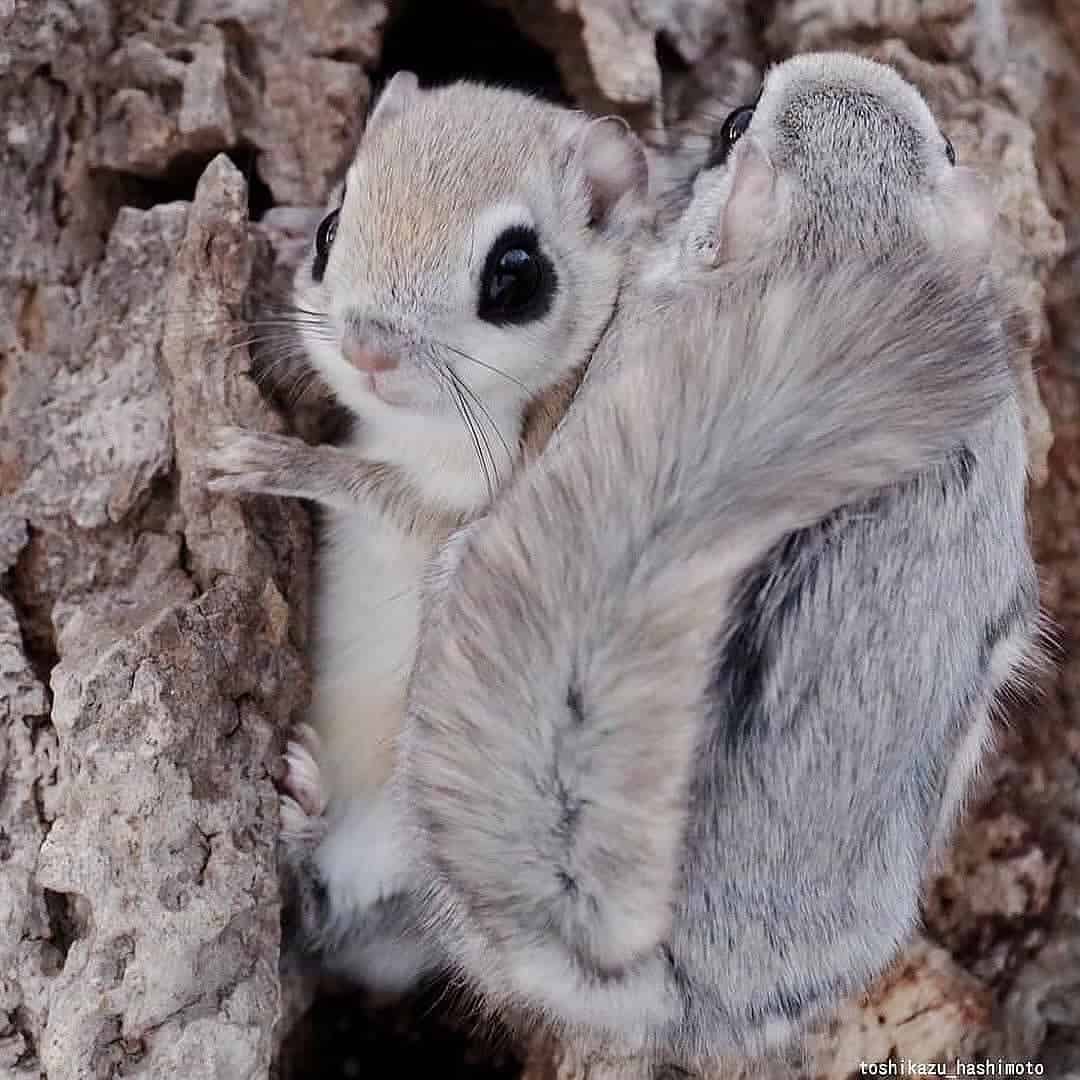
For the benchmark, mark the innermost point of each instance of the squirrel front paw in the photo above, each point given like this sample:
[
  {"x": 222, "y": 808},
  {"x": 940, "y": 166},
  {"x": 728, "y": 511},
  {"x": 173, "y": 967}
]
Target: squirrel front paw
[{"x": 249, "y": 461}]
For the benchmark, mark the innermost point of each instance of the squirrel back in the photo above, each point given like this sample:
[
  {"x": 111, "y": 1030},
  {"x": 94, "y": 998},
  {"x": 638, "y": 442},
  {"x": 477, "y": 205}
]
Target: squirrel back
[{"x": 694, "y": 699}]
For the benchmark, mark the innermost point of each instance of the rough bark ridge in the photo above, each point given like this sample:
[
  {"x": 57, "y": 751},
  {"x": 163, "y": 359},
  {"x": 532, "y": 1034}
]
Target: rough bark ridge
[{"x": 152, "y": 638}]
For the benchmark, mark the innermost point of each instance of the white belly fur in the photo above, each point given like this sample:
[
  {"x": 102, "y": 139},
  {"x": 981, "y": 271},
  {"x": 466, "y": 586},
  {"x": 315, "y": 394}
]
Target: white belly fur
[
  {"x": 367, "y": 619},
  {"x": 366, "y": 630}
]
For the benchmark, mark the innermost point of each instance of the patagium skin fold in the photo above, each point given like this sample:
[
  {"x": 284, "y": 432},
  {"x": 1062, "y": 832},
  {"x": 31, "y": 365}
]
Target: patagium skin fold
[{"x": 700, "y": 697}]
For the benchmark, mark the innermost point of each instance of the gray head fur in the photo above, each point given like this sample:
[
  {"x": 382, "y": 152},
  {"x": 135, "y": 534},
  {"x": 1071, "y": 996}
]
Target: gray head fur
[{"x": 842, "y": 157}]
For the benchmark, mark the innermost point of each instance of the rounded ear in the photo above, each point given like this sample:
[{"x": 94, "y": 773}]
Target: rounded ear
[
  {"x": 613, "y": 161},
  {"x": 750, "y": 205},
  {"x": 968, "y": 215},
  {"x": 402, "y": 89}
]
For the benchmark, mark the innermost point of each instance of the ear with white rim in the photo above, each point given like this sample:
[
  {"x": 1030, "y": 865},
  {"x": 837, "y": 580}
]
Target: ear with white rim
[
  {"x": 612, "y": 160},
  {"x": 396, "y": 96}
]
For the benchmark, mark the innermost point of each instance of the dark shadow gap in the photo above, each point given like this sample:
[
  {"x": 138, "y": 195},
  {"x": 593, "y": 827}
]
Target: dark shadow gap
[
  {"x": 346, "y": 1035},
  {"x": 179, "y": 182},
  {"x": 33, "y": 611},
  {"x": 65, "y": 922},
  {"x": 465, "y": 39},
  {"x": 670, "y": 60}
]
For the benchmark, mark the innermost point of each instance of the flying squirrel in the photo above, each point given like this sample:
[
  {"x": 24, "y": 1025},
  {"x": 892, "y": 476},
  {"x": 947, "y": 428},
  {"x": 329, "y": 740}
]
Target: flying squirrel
[
  {"x": 451, "y": 299},
  {"x": 699, "y": 700}
]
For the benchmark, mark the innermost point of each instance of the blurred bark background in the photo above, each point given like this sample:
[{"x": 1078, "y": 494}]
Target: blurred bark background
[{"x": 160, "y": 162}]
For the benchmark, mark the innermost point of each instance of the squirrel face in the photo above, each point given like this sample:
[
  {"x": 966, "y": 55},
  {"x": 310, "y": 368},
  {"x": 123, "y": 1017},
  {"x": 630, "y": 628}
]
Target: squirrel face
[{"x": 475, "y": 255}]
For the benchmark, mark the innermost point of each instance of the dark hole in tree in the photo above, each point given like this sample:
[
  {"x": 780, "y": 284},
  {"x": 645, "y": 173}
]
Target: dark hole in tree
[
  {"x": 446, "y": 40},
  {"x": 179, "y": 182},
  {"x": 347, "y": 1035},
  {"x": 64, "y": 921},
  {"x": 669, "y": 58},
  {"x": 33, "y": 609}
]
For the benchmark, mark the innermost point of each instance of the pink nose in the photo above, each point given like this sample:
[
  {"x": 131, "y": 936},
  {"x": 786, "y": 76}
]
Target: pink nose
[{"x": 365, "y": 358}]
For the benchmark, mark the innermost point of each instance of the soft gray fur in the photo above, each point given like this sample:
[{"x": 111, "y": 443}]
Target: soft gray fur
[{"x": 699, "y": 698}]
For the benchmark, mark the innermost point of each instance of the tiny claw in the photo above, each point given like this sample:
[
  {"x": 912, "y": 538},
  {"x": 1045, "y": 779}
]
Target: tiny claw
[{"x": 303, "y": 795}]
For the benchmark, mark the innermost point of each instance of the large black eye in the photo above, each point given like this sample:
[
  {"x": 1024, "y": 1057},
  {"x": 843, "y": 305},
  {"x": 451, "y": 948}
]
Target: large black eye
[
  {"x": 950, "y": 153},
  {"x": 518, "y": 282},
  {"x": 731, "y": 130},
  {"x": 324, "y": 239}
]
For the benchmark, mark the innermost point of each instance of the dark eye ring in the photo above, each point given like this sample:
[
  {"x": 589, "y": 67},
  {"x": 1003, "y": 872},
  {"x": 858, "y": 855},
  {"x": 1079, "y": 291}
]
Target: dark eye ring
[
  {"x": 518, "y": 281},
  {"x": 950, "y": 152},
  {"x": 731, "y": 130},
  {"x": 324, "y": 235}
]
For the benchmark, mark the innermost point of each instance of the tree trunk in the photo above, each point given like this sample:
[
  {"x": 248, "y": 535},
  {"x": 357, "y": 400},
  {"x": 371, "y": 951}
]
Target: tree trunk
[{"x": 153, "y": 637}]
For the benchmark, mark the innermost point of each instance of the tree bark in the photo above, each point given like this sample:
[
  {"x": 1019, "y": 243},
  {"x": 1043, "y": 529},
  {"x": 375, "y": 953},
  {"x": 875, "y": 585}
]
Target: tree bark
[{"x": 153, "y": 637}]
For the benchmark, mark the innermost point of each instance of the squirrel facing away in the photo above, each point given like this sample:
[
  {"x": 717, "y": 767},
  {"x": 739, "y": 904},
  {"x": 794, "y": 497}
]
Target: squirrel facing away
[
  {"x": 700, "y": 697},
  {"x": 451, "y": 299}
]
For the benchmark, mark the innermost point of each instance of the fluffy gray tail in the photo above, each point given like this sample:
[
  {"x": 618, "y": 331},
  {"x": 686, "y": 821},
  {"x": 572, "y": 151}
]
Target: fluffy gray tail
[{"x": 559, "y": 696}]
